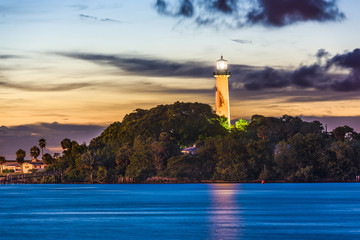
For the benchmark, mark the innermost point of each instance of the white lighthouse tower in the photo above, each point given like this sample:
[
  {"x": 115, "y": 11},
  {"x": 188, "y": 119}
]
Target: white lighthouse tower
[{"x": 222, "y": 102}]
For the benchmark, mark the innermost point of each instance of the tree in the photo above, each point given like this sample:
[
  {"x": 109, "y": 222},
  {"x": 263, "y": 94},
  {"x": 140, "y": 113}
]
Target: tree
[
  {"x": 56, "y": 156},
  {"x": 343, "y": 167},
  {"x": 88, "y": 161},
  {"x": 66, "y": 144},
  {"x": 241, "y": 124},
  {"x": 185, "y": 122},
  {"x": 20, "y": 157},
  {"x": 224, "y": 122},
  {"x": 162, "y": 150},
  {"x": 260, "y": 159},
  {"x": 42, "y": 145},
  {"x": 35, "y": 152},
  {"x": 123, "y": 158},
  {"x": 2, "y": 162},
  {"x": 47, "y": 159},
  {"x": 141, "y": 161},
  {"x": 262, "y": 132},
  {"x": 340, "y": 133},
  {"x": 232, "y": 158}
]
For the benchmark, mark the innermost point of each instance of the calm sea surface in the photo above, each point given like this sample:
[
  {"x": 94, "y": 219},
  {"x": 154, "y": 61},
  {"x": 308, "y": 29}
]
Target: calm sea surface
[{"x": 181, "y": 211}]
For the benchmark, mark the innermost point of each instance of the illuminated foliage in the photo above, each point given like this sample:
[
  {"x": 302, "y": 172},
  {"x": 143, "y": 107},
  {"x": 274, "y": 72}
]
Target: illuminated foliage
[{"x": 241, "y": 124}]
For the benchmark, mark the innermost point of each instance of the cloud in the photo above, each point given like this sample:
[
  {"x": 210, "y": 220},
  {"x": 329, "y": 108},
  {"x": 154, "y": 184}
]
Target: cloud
[
  {"x": 153, "y": 67},
  {"x": 266, "y": 78},
  {"x": 351, "y": 62},
  {"x": 240, "y": 13},
  {"x": 241, "y": 41},
  {"x": 36, "y": 87},
  {"x": 318, "y": 76},
  {"x": 147, "y": 66},
  {"x": 314, "y": 76},
  {"x": 285, "y": 12},
  {"x": 181, "y": 8},
  {"x": 110, "y": 20},
  {"x": 322, "y": 53},
  {"x": 8, "y": 56},
  {"x": 99, "y": 19},
  {"x": 25, "y": 136},
  {"x": 79, "y": 7},
  {"x": 150, "y": 87},
  {"x": 88, "y": 17}
]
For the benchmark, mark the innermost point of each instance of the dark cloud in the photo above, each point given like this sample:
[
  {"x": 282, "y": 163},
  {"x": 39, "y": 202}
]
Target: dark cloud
[
  {"x": 26, "y": 136},
  {"x": 186, "y": 8},
  {"x": 36, "y": 87},
  {"x": 312, "y": 76},
  {"x": 79, "y": 7},
  {"x": 147, "y": 66},
  {"x": 266, "y": 78},
  {"x": 110, "y": 20},
  {"x": 242, "y": 41},
  {"x": 88, "y": 17},
  {"x": 99, "y": 19},
  {"x": 182, "y": 8},
  {"x": 150, "y": 87},
  {"x": 322, "y": 53},
  {"x": 304, "y": 76},
  {"x": 317, "y": 76},
  {"x": 351, "y": 62},
  {"x": 225, "y": 6},
  {"x": 8, "y": 56},
  {"x": 347, "y": 60},
  {"x": 240, "y": 13},
  {"x": 285, "y": 12}
]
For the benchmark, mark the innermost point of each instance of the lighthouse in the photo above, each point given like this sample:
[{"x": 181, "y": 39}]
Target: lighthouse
[{"x": 222, "y": 103}]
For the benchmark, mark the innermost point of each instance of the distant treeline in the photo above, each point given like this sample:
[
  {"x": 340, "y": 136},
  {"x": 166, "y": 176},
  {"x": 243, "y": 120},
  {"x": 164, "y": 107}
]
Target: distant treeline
[{"x": 148, "y": 143}]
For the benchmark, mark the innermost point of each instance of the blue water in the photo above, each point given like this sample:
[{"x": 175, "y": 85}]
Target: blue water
[{"x": 181, "y": 211}]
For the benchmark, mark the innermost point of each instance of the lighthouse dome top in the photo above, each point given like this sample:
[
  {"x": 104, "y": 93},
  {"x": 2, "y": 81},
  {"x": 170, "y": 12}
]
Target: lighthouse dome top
[{"x": 221, "y": 66}]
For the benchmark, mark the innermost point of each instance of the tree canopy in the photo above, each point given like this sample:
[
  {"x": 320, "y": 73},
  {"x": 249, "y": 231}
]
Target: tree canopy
[{"x": 147, "y": 144}]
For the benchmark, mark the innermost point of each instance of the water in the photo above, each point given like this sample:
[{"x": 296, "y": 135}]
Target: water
[{"x": 181, "y": 211}]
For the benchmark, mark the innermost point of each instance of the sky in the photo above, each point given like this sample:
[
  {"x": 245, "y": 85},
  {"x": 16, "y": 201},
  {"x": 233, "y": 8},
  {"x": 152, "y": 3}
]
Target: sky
[{"x": 69, "y": 68}]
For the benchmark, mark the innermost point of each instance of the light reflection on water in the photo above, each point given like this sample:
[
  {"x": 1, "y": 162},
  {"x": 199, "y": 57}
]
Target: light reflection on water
[
  {"x": 225, "y": 214},
  {"x": 180, "y": 211}
]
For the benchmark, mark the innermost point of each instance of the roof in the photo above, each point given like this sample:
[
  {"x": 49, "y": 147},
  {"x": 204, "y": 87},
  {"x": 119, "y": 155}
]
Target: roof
[
  {"x": 191, "y": 150},
  {"x": 11, "y": 164},
  {"x": 14, "y": 163}
]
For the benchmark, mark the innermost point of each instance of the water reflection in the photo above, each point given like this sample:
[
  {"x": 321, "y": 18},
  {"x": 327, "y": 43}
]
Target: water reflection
[{"x": 225, "y": 214}]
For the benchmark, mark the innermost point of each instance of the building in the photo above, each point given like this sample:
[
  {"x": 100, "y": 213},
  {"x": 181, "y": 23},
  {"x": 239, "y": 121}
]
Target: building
[
  {"x": 222, "y": 102},
  {"x": 189, "y": 150},
  {"x": 27, "y": 166}
]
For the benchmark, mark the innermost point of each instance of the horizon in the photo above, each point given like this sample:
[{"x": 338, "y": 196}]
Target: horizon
[{"x": 69, "y": 69}]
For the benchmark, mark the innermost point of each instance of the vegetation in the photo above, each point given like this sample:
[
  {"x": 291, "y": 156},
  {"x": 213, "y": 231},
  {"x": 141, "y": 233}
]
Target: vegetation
[
  {"x": 2, "y": 162},
  {"x": 20, "y": 157},
  {"x": 146, "y": 146},
  {"x": 34, "y": 152},
  {"x": 42, "y": 145}
]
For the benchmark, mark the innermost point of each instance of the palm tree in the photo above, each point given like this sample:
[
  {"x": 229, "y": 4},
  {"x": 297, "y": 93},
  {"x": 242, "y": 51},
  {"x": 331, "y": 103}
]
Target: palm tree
[
  {"x": 56, "y": 156},
  {"x": 35, "y": 152},
  {"x": 42, "y": 145},
  {"x": 88, "y": 160},
  {"x": 66, "y": 144},
  {"x": 20, "y": 157},
  {"x": 2, "y": 161},
  {"x": 48, "y": 159}
]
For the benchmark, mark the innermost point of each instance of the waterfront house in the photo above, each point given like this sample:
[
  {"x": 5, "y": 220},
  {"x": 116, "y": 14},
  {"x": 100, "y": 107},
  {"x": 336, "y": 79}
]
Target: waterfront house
[
  {"x": 13, "y": 166},
  {"x": 189, "y": 150}
]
